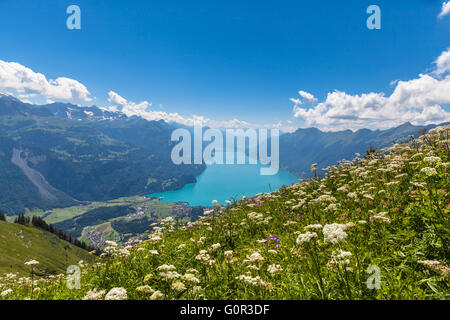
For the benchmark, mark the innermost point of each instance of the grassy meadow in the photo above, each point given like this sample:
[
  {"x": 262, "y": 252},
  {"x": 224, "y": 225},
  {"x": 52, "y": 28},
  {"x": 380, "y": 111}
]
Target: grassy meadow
[
  {"x": 375, "y": 227},
  {"x": 21, "y": 243}
]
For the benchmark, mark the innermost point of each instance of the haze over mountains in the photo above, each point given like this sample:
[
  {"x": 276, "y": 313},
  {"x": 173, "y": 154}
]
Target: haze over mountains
[{"x": 60, "y": 154}]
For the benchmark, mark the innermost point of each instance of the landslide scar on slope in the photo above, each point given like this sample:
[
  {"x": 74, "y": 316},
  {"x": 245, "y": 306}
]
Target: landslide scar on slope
[{"x": 45, "y": 189}]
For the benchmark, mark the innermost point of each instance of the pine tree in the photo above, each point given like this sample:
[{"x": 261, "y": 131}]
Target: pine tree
[
  {"x": 2, "y": 216},
  {"x": 370, "y": 152},
  {"x": 21, "y": 219}
]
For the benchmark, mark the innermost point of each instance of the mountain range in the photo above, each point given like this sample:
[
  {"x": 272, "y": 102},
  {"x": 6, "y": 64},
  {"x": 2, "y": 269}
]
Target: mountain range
[
  {"x": 300, "y": 149},
  {"x": 59, "y": 154}
]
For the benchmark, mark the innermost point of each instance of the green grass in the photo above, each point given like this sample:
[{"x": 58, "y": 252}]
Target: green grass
[
  {"x": 22, "y": 243},
  {"x": 384, "y": 217}
]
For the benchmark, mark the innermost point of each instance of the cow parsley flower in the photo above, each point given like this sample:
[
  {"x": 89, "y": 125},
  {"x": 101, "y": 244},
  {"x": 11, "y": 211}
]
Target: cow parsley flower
[
  {"x": 380, "y": 216},
  {"x": 274, "y": 268},
  {"x": 169, "y": 275},
  {"x": 352, "y": 195},
  {"x": 111, "y": 243},
  {"x": 94, "y": 295},
  {"x": 334, "y": 233},
  {"x": 32, "y": 263},
  {"x": 145, "y": 289},
  {"x": 432, "y": 160},
  {"x": 256, "y": 281},
  {"x": 192, "y": 270},
  {"x": 178, "y": 286},
  {"x": 313, "y": 226},
  {"x": 228, "y": 253},
  {"x": 331, "y": 207},
  {"x": 6, "y": 292},
  {"x": 117, "y": 294},
  {"x": 215, "y": 246},
  {"x": 339, "y": 258},
  {"x": 254, "y": 257},
  {"x": 429, "y": 171},
  {"x": 189, "y": 277},
  {"x": 166, "y": 267},
  {"x": 157, "y": 295},
  {"x": 305, "y": 237}
]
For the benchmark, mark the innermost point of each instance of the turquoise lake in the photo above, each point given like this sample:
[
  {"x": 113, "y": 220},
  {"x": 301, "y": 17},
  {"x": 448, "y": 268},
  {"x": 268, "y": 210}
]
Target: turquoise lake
[{"x": 227, "y": 182}]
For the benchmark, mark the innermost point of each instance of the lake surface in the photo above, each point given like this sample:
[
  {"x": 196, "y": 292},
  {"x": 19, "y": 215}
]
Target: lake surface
[{"x": 227, "y": 182}]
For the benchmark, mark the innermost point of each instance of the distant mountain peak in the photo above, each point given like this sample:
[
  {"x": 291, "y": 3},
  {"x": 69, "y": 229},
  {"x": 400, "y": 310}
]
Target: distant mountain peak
[
  {"x": 406, "y": 124},
  {"x": 8, "y": 97}
]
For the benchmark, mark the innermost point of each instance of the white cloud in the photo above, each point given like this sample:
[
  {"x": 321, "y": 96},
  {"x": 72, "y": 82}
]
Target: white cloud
[
  {"x": 418, "y": 100},
  {"x": 307, "y": 97},
  {"x": 443, "y": 62},
  {"x": 27, "y": 83},
  {"x": 142, "y": 110},
  {"x": 393, "y": 83},
  {"x": 445, "y": 9}
]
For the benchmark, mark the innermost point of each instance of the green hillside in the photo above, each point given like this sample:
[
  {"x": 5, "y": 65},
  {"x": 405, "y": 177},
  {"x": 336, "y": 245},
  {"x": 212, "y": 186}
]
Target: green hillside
[
  {"x": 19, "y": 243},
  {"x": 375, "y": 227},
  {"x": 52, "y": 158}
]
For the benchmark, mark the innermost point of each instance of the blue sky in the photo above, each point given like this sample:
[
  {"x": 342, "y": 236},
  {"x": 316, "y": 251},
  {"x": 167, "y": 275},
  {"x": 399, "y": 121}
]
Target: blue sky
[{"x": 226, "y": 59}]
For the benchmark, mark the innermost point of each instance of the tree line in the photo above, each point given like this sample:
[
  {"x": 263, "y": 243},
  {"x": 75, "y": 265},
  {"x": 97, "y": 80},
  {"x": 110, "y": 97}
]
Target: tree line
[{"x": 41, "y": 224}]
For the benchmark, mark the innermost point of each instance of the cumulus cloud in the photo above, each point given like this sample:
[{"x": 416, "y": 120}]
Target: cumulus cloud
[
  {"x": 27, "y": 83},
  {"x": 418, "y": 101},
  {"x": 306, "y": 98},
  {"x": 143, "y": 110},
  {"x": 445, "y": 9},
  {"x": 443, "y": 62}
]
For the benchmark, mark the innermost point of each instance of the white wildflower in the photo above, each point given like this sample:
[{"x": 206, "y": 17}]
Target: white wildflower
[
  {"x": 6, "y": 292},
  {"x": 94, "y": 295},
  {"x": 305, "y": 237},
  {"x": 32, "y": 263},
  {"x": 254, "y": 257},
  {"x": 117, "y": 294},
  {"x": 429, "y": 171},
  {"x": 157, "y": 295},
  {"x": 178, "y": 286},
  {"x": 215, "y": 246},
  {"x": 166, "y": 267},
  {"x": 145, "y": 289},
  {"x": 313, "y": 226},
  {"x": 274, "y": 268},
  {"x": 334, "y": 233},
  {"x": 189, "y": 277}
]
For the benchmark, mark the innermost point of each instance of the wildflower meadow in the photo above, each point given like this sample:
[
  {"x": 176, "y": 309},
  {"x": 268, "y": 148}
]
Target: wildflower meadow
[{"x": 375, "y": 227}]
